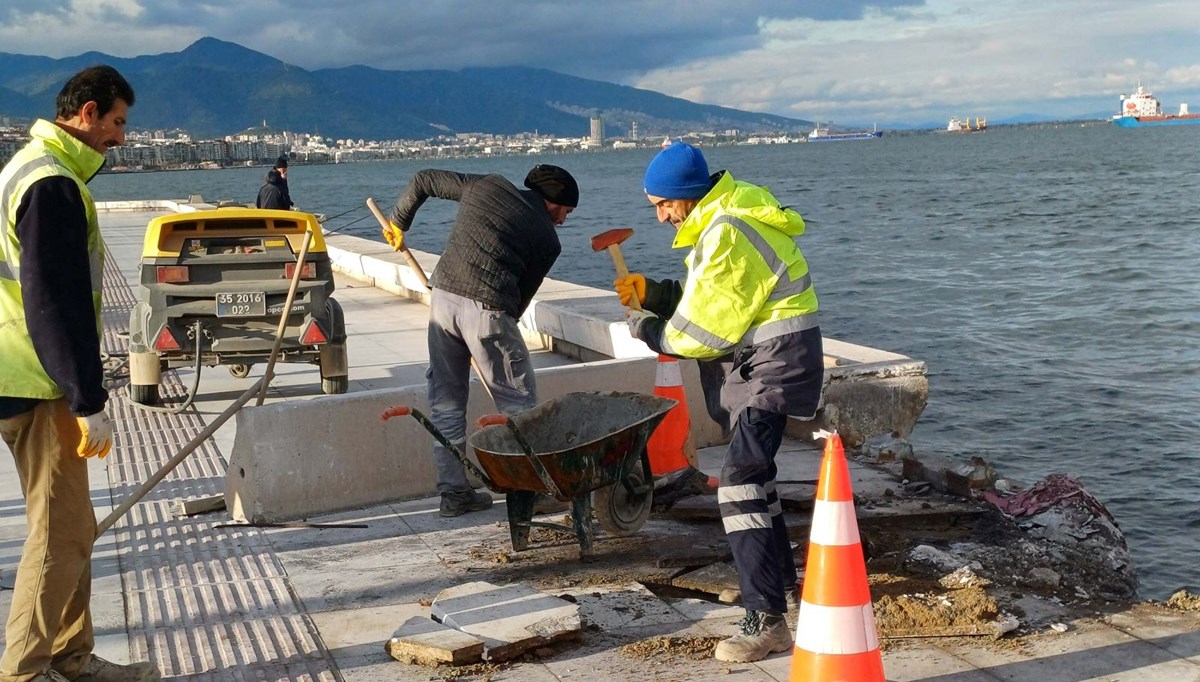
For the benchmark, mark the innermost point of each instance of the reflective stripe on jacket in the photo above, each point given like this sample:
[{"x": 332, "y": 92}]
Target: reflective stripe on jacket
[
  {"x": 747, "y": 281},
  {"x": 51, "y": 152}
]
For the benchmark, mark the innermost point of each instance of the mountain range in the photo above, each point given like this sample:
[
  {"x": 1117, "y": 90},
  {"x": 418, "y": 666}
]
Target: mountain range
[{"x": 214, "y": 88}]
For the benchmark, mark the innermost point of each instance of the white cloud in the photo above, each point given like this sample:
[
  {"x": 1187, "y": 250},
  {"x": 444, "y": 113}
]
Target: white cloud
[{"x": 890, "y": 60}]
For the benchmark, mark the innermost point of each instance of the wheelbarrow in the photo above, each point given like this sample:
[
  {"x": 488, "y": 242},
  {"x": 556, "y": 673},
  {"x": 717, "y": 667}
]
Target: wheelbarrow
[{"x": 588, "y": 449}]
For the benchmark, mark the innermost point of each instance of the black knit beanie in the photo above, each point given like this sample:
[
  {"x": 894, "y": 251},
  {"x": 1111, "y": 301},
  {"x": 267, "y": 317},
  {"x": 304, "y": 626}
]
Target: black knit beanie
[{"x": 554, "y": 184}]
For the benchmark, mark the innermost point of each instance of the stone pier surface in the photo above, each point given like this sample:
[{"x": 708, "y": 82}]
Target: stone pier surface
[{"x": 209, "y": 599}]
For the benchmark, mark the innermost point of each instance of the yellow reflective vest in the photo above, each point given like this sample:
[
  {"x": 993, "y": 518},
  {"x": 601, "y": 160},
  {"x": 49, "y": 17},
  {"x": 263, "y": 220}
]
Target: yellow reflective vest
[
  {"x": 747, "y": 281},
  {"x": 51, "y": 152}
]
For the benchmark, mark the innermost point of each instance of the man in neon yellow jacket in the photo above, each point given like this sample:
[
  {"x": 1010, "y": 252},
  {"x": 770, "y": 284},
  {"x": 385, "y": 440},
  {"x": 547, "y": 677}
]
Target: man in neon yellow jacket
[
  {"x": 52, "y": 397},
  {"x": 747, "y": 312}
]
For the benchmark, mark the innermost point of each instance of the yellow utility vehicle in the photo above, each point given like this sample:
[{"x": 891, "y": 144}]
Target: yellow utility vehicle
[{"x": 212, "y": 290}]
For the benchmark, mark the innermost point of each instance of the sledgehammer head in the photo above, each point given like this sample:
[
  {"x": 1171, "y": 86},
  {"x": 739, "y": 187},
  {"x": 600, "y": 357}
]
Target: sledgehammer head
[{"x": 611, "y": 238}]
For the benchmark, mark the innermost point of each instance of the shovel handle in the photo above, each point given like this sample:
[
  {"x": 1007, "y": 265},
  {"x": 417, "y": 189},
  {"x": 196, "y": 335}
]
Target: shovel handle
[{"x": 412, "y": 261}]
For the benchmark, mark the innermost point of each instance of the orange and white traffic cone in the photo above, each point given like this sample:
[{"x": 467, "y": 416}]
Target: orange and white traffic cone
[
  {"x": 836, "y": 640},
  {"x": 670, "y": 446}
]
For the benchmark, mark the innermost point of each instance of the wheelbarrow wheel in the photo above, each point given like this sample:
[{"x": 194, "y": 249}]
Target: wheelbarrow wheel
[{"x": 621, "y": 512}]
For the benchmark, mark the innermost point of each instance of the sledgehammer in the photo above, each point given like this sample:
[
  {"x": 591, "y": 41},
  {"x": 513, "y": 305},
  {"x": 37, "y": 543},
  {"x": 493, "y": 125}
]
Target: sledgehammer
[{"x": 611, "y": 240}]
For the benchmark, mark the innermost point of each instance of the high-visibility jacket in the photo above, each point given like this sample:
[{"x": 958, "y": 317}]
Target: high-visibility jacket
[
  {"x": 747, "y": 311},
  {"x": 51, "y": 152},
  {"x": 747, "y": 281}
]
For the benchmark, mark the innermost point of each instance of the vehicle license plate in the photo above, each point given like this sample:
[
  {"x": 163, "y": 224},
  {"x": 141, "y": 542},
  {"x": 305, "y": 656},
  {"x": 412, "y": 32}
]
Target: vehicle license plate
[{"x": 242, "y": 304}]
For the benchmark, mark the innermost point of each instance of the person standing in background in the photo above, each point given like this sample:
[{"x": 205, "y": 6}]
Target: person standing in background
[
  {"x": 270, "y": 195},
  {"x": 281, "y": 166},
  {"x": 748, "y": 313},
  {"x": 52, "y": 398}
]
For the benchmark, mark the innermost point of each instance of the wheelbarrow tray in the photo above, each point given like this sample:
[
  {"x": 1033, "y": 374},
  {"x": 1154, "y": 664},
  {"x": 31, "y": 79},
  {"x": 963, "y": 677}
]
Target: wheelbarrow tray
[{"x": 584, "y": 441}]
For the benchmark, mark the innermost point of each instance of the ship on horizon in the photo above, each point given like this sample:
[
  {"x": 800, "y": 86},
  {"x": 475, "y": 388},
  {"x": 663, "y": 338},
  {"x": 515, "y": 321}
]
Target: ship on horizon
[
  {"x": 820, "y": 134},
  {"x": 1142, "y": 109},
  {"x": 964, "y": 125}
]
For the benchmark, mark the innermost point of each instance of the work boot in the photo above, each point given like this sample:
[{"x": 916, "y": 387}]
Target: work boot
[
  {"x": 50, "y": 676},
  {"x": 457, "y": 504},
  {"x": 100, "y": 670},
  {"x": 763, "y": 633}
]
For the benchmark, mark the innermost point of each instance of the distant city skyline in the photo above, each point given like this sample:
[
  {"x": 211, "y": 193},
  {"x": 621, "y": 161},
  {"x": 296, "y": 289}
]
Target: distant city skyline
[{"x": 906, "y": 62}]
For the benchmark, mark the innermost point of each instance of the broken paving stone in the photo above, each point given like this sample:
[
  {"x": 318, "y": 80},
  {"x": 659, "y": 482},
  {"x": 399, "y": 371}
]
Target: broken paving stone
[
  {"x": 939, "y": 559},
  {"x": 963, "y": 577},
  {"x": 510, "y": 619},
  {"x": 426, "y": 642},
  {"x": 1042, "y": 577},
  {"x": 712, "y": 579},
  {"x": 888, "y": 447}
]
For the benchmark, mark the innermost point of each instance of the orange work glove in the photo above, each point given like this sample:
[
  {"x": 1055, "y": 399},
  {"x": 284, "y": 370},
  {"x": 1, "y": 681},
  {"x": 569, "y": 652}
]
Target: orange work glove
[
  {"x": 95, "y": 435},
  {"x": 394, "y": 236},
  {"x": 630, "y": 286}
]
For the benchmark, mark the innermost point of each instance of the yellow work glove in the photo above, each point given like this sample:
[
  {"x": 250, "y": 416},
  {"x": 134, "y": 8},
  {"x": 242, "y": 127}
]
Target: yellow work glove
[
  {"x": 630, "y": 286},
  {"x": 95, "y": 435},
  {"x": 394, "y": 236}
]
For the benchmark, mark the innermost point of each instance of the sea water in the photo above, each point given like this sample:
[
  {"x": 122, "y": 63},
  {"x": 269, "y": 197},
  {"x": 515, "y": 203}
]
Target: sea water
[{"x": 1049, "y": 277}]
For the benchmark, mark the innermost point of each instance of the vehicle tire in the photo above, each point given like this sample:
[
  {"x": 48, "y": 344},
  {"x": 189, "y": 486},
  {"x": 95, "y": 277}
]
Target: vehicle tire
[
  {"x": 619, "y": 512},
  {"x": 240, "y": 371},
  {"x": 335, "y": 385},
  {"x": 144, "y": 394}
]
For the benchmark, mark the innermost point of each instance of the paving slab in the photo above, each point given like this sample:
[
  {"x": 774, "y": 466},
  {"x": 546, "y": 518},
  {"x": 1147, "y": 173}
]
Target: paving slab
[
  {"x": 424, "y": 641},
  {"x": 510, "y": 619}
]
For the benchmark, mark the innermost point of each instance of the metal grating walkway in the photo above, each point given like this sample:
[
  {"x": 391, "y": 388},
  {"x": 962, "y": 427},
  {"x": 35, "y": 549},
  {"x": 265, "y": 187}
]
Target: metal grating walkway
[{"x": 203, "y": 603}]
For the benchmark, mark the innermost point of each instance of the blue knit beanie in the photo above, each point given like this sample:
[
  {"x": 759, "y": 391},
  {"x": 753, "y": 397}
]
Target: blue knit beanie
[{"x": 678, "y": 172}]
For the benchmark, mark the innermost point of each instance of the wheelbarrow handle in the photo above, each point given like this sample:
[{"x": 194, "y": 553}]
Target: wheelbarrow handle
[
  {"x": 404, "y": 410},
  {"x": 398, "y": 411},
  {"x": 538, "y": 467},
  {"x": 491, "y": 420}
]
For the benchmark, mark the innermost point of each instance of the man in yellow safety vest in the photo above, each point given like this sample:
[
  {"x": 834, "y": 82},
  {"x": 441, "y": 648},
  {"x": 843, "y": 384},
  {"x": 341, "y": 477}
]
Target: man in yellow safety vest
[
  {"x": 52, "y": 396},
  {"x": 748, "y": 312}
]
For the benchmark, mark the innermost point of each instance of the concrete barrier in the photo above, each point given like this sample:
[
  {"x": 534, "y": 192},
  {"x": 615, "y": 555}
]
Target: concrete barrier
[{"x": 302, "y": 458}]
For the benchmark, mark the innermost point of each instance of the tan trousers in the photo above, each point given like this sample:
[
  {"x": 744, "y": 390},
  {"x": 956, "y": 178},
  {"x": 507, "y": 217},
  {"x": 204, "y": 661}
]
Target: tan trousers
[{"x": 50, "y": 624}]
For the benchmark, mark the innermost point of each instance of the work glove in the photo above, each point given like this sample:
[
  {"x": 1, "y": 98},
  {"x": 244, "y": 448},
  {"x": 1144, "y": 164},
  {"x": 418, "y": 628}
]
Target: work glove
[
  {"x": 95, "y": 435},
  {"x": 630, "y": 286},
  {"x": 394, "y": 235},
  {"x": 636, "y": 319}
]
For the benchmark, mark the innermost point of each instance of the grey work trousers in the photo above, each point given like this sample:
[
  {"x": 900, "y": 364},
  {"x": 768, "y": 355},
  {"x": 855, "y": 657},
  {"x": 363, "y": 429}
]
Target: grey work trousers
[{"x": 460, "y": 329}]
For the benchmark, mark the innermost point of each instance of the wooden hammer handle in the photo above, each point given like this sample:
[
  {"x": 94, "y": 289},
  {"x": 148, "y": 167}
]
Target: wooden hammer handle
[{"x": 623, "y": 272}]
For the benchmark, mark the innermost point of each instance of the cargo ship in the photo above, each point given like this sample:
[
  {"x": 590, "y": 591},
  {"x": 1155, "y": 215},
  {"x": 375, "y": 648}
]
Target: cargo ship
[
  {"x": 965, "y": 126},
  {"x": 820, "y": 134},
  {"x": 1142, "y": 109}
]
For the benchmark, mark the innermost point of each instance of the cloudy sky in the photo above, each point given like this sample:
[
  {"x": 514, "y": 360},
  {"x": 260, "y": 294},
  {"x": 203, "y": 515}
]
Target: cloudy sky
[{"x": 848, "y": 61}]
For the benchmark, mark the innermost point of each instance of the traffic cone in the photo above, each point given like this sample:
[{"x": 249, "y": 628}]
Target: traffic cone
[
  {"x": 836, "y": 640},
  {"x": 670, "y": 447}
]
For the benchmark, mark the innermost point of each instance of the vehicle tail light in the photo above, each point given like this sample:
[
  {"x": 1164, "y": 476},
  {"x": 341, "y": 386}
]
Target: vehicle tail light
[
  {"x": 172, "y": 274},
  {"x": 165, "y": 341},
  {"x": 308, "y": 271},
  {"x": 312, "y": 335}
]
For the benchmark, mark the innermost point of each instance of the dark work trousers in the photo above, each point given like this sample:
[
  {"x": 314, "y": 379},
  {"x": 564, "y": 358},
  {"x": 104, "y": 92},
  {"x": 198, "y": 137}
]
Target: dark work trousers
[
  {"x": 751, "y": 512},
  {"x": 460, "y": 329}
]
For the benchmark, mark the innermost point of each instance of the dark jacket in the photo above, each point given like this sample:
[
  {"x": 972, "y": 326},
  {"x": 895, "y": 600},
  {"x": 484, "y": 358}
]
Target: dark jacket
[
  {"x": 503, "y": 242},
  {"x": 270, "y": 195}
]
